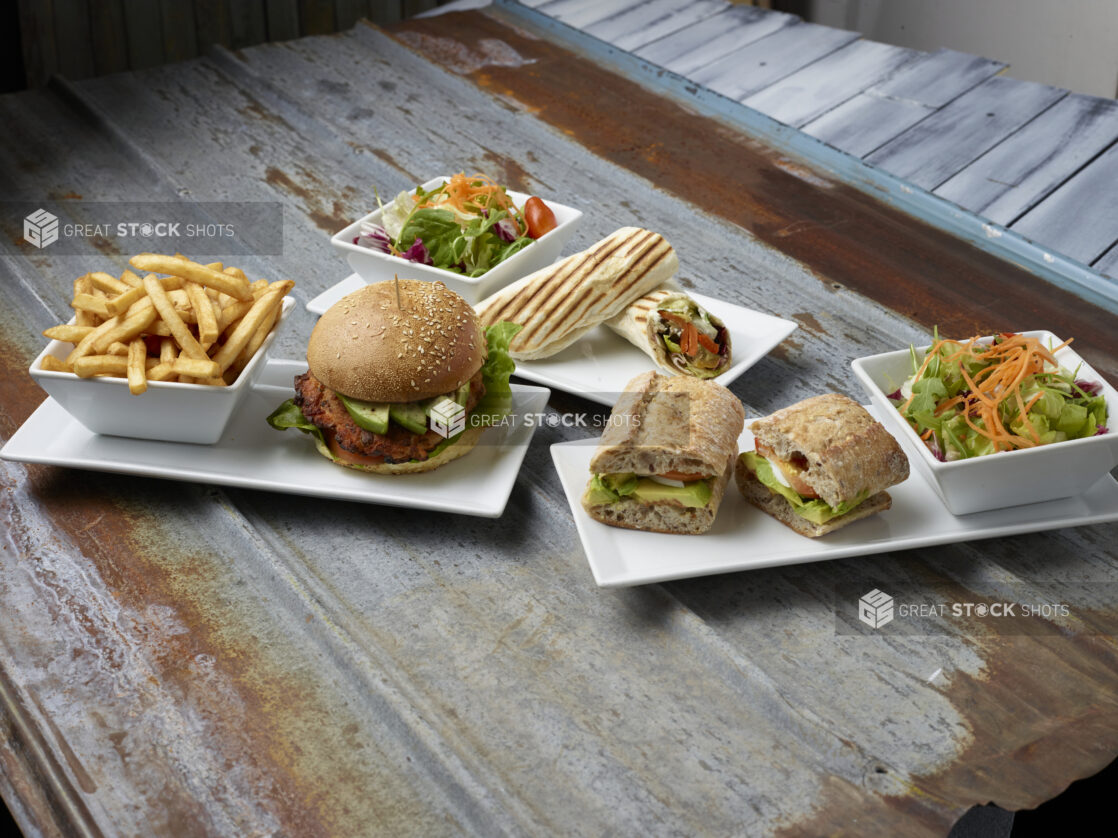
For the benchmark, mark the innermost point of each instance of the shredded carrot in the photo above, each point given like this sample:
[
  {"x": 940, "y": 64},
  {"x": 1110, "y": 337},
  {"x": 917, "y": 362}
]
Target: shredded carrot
[
  {"x": 470, "y": 195},
  {"x": 1008, "y": 364}
]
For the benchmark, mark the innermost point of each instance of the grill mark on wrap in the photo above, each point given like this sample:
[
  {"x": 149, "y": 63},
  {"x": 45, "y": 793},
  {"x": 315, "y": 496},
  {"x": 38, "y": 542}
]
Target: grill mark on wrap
[
  {"x": 646, "y": 240},
  {"x": 657, "y": 258},
  {"x": 516, "y": 303}
]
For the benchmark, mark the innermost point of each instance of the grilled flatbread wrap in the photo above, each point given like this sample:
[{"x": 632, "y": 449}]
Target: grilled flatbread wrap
[
  {"x": 665, "y": 459},
  {"x": 558, "y": 304},
  {"x": 681, "y": 336}
]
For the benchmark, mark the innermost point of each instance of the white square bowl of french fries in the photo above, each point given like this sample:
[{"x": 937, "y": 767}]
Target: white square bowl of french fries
[{"x": 165, "y": 352}]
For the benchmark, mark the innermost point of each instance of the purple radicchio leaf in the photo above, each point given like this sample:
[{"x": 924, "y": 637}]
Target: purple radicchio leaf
[
  {"x": 933, "y": 446},
  {"x": 374, "y": 237},
  {"x": 1091, "y": 388},
  {"x": 1102, "y": 429},
  {"x": 506, "y": 230},
  {"x": 417, "y": 253}
]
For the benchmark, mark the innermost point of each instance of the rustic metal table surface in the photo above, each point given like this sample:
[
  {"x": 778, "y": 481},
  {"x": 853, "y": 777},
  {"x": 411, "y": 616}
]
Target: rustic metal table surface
[{"x": 180, "y": 659}]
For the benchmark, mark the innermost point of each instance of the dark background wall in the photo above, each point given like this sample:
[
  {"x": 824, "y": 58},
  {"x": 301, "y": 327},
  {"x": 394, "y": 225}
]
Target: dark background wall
[{"x": 83, "y": 38}]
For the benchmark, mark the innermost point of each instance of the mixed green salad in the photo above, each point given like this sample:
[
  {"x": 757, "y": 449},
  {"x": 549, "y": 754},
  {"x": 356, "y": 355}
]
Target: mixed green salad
[
  {"x": 972, "y": 398},
  {"x": 466, "y": 225}
]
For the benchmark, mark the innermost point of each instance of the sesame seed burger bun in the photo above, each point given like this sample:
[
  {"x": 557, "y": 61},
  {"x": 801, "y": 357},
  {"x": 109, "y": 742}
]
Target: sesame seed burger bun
[{"x": 397, "y": 341}]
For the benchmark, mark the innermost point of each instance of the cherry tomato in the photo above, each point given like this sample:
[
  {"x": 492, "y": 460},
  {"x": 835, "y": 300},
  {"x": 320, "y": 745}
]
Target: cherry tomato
[{"x": 539, "y": 217}]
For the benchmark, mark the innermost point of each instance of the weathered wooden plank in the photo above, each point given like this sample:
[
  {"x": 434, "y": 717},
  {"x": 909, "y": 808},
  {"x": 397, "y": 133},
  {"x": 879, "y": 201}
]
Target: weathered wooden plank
[
  {"x": 866, "y": 122},
  {"x": 744, "y": 71},
  {"x": 40, "y": 52},
  {"x": 348, "y": 12},
  {"x": 938, "y": 78},
  {"x": 213, "y": 25},
  {"x": 1018, "y": 173},
  {"x": 697, "y": 45},
  {"x": 179, "y": 37},
  {"x": 110, "y": 45},
  {"x": 1080, "y": 219},
  {"x": 830, "y": 81},
  {"x": 246, "y": 23},
  {"x": 283, "y": 20},
  {"x": 71, "y": 32},
  {"x": 1108, "y": 262},
  {"x": 936, "y": 148},
  {"x": 145, "y": 34},
  {"x": 634, "y": 27},
  {"x": 582, "y": 13}
]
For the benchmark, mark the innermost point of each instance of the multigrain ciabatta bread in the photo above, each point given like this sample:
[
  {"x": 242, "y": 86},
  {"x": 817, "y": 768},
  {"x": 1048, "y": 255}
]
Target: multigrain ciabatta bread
[
  {"x": 558, "y": 304},
  {"x": 665, "y": 459},
  {"x": 820, "y": 464}
]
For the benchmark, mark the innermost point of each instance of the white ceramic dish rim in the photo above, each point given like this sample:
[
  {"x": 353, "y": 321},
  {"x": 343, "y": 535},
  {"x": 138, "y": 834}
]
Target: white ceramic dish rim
[
  {"x": 343, "y": 239},
  {"x": 1002, "y": 456}
]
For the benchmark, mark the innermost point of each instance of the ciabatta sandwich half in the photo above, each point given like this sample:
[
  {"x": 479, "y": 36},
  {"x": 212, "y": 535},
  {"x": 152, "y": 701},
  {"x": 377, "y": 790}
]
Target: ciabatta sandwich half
[
  {"x": 665, "y": 459},
  {"x": 820, "y": 464}
]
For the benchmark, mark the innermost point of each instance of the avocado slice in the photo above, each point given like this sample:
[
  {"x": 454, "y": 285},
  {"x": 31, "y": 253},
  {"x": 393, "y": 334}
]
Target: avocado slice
[
  {"x": 462, "y": 396},
  {"x": 372, "y": 416},
  {"x": 695, "y": 493},
  {"x": 410, "y": 415}
]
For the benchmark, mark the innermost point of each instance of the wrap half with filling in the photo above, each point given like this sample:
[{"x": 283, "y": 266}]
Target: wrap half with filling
[{"x": 681, "y": 336}]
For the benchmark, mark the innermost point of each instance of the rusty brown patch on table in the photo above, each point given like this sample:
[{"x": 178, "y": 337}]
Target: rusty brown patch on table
[
  {"x": 111, "y": 537},
  {"x": 843, "y": 235}
]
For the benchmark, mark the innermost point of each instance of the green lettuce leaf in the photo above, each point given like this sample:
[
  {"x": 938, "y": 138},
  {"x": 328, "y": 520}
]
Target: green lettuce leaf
[{"x": 815, "y": 510}]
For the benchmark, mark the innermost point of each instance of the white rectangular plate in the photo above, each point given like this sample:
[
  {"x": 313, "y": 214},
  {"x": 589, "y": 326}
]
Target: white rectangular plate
[
  {"x": 744, "y": 538},
  {"x": 599, "y": 364},
  {"x": 251, "y": 455}
]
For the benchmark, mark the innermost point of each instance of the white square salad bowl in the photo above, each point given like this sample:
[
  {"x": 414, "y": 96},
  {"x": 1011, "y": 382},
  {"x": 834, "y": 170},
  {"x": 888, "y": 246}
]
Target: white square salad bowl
[
  {"x": 1006, "y": 478},
  {"x": 374, "y": 266},
  {"x": 169, "y": 411}
]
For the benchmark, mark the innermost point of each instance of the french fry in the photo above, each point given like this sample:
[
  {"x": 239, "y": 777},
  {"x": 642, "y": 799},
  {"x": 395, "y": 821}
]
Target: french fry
[
  {"x": 67, "y": 333},
  {"x": 252, "y": 321},
  {"x": 167, "y": 328},
  {"x": 204, "y": 314},
  {"x": 195, "y": 368},
  {"x": 232, "y": 313},
  {"x": 187, "y": 342},
  {"x": 91, "y": 303},
  {"x": 137, "y": 355},
  {"x": 231, "y": 285},
  {"x": 83, "y": 285},
  {"x": 52, "y": 364},
  {"x": 85, "y": 345},
  {"x": 161, "y": 372},
  {"x": 129, "y": 327},
  {"x": 167, "y": 351},
  {"x": 107, "y": 283},
  {"x": 123, "y": 301},
  {"x": 91, "y": 365}
]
